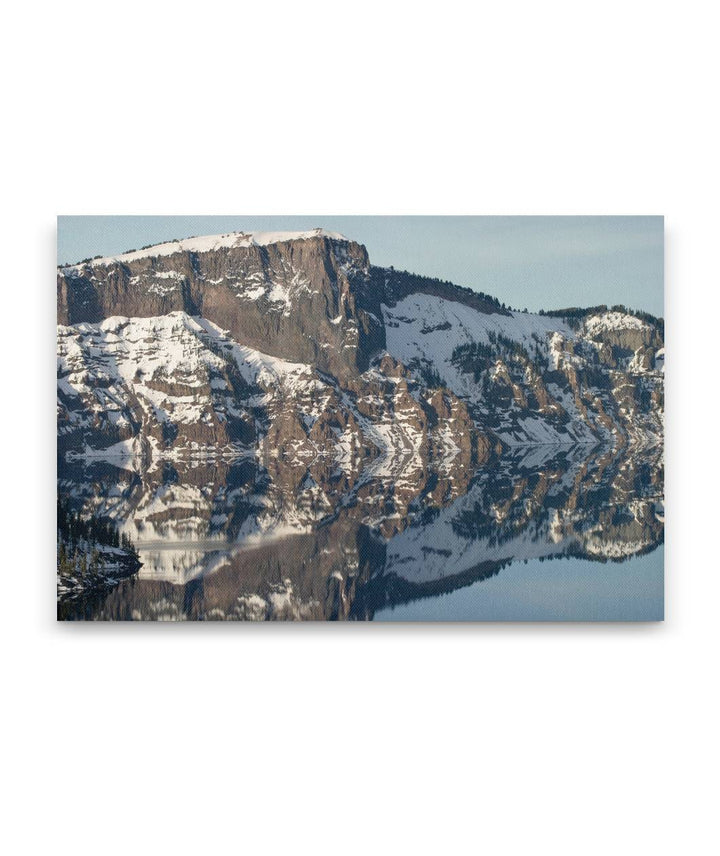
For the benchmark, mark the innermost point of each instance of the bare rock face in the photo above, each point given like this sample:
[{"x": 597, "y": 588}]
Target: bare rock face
[{"x": 299, "y": 299}]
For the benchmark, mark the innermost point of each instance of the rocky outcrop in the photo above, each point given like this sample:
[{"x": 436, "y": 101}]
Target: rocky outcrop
[
  {"x": 302, "y": 299},
  {"x": 537, "y": 379}
]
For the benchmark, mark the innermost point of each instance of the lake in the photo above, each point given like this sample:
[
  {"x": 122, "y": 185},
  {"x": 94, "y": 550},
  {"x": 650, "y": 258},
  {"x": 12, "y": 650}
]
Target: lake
[{"x": 542, "y": 534}]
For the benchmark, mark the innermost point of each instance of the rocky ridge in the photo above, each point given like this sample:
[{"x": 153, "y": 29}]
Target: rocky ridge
[{"x": 314, "y": 300}]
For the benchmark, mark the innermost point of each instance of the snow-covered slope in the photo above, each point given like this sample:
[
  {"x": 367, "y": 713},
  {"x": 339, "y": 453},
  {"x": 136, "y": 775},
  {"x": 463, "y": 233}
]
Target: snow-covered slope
[
  {"x": 535, "y": 378},
  {"x": 144, "y": 385},
  {"x": 141, "y": 391}
]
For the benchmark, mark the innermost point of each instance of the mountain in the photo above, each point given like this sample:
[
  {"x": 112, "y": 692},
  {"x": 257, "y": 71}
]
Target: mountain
[
  {"x": 217, "y": 394},
  {"x": 293, "y": 343},
  {"x": 174, "y": 387}
]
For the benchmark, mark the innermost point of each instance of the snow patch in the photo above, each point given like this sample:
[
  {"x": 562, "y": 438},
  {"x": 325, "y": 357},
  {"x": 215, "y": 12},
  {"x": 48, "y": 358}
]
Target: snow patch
[{"x": 208, "y": 243}]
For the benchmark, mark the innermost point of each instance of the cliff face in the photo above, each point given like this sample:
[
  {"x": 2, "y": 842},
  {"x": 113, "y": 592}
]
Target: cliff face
[
  {"x": 301, "y": 299},
  {"x": 314, "y": 299},
  {"x": 169, "y": 349}
]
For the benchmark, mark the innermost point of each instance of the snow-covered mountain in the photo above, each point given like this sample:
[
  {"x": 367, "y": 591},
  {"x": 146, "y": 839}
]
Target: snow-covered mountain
[
  {"x": 537, "y": 378},
  {"x": 293, "y": 347},
  {"x": 217, "y": 394},
  {"x": 293, "y": 295}
]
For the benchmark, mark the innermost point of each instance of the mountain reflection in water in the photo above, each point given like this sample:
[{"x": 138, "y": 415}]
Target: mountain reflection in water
[{"x": 544, "y": 533}]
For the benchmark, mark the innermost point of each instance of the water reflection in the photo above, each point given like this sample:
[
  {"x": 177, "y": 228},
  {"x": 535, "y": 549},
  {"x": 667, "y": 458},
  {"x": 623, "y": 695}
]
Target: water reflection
[{"x": 225, "y": 541}]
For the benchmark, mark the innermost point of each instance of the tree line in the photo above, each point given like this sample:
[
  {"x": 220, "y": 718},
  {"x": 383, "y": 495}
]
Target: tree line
[{"x": 80, "y": 539}]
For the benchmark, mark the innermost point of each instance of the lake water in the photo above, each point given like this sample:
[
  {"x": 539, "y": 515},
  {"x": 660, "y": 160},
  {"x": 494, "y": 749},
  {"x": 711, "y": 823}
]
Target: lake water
[
  {"x": 543, "y": 534},
  {"x": 561, "y": 589}
]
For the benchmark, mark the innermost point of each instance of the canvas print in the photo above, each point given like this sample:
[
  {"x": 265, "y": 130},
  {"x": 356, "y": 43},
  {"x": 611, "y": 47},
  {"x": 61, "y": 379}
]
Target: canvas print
[{"x": 360, "y": 418}]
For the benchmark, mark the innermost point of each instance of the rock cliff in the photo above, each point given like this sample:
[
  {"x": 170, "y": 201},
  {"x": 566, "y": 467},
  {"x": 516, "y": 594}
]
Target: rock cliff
[{"x": 187, "y": 328}]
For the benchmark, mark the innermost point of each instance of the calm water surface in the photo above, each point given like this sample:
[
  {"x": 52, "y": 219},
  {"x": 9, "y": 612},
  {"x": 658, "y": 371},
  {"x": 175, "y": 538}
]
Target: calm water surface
[
  {"x": 545, "y": 534},
  {"x": 562, "y": 589}
]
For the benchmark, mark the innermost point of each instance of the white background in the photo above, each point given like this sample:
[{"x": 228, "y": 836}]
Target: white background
[{"x": 357, "y": 739}]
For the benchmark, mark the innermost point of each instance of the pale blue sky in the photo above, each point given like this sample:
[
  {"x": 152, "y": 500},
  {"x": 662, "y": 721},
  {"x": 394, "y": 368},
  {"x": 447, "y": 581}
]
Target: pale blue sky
[{"x": 533, "y": 262}]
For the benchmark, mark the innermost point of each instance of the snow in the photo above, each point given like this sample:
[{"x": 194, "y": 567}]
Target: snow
[
  {"x": 168, "y": 274},
  {"x": 168, "y": 346},
  {"x": 406, "y": 320},
  {"x": 255, "y": 366},
  {"x": 166, "y": 369},
  {"x": 117, "y": 453},
  {"x": 254, "y": 293},
  {"x": 424, "y": 330},
  {"x": 406, "y": 341},
  {"x": 208, "y": 243},
  {"x": 605, "y": 321},
  {"x": 279, "y": 293}
]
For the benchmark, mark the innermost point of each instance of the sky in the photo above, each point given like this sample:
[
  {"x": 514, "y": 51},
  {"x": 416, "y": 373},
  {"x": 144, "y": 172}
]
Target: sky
[{"x": 530, "y": 263}]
